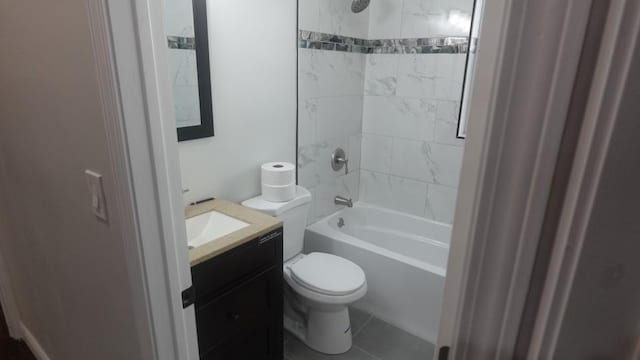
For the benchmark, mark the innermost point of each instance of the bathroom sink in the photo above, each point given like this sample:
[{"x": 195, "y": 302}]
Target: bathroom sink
[{"x": 211, "y": 226}]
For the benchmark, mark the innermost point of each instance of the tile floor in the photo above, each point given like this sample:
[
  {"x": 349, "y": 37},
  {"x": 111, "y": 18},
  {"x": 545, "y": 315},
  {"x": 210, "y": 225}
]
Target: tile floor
[{"x": 373, "y": 339}]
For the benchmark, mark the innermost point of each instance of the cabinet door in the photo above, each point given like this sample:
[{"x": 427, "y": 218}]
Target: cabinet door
[
  {"x": 252, "y": 345},
  {"x": 248, "y": 318},
  {"x": 214, "y": 277}
]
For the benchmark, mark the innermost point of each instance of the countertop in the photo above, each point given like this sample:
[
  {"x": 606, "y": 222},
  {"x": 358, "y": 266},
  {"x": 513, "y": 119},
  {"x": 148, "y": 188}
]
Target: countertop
[{"x": 259, "y": 224}]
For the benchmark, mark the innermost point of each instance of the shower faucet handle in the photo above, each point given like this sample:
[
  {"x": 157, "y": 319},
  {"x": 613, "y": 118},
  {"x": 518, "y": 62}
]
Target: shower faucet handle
[{"x": 339, "y": 160}]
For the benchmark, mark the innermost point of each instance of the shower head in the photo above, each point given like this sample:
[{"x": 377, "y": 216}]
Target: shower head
[{"x": 359, "y": 5}]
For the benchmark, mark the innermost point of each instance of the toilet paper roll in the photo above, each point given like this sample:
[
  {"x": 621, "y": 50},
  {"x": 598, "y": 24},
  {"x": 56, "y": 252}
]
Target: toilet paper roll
[
  {"x": 278, "y": 173},
  {"x": 279, "y": 193}
]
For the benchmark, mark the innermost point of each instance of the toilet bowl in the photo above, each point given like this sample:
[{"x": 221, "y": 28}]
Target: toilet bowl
[
  {"x": 319, "y": 286},
  {"x": 323, "y": 286}
]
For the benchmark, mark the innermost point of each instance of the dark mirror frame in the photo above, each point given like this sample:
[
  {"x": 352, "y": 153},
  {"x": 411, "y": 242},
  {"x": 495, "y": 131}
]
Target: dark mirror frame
[{"x": 205, "y": 129}]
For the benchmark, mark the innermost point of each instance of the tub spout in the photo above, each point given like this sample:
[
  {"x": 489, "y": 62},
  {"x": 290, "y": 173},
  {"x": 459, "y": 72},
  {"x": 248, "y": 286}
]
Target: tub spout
[{"x": 339, "y": 200}]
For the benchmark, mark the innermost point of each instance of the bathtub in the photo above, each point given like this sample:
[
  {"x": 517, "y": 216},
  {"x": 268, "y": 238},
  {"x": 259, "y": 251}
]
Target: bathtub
[{"x": 403, "y": 256}]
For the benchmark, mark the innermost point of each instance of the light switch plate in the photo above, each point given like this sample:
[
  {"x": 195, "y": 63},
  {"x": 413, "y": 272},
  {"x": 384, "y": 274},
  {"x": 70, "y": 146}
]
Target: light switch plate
[{"x": 96, "y": 193}]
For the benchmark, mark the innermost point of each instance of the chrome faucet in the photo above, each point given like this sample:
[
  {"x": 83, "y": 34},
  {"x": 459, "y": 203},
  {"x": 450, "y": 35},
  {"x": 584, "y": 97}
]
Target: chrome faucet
[
  {"x": 339, "y": 160},
  {"x": 339, "y": 200}
]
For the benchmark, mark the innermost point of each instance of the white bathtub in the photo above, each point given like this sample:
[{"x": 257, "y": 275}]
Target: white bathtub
[{"x": 404, "y": 258}]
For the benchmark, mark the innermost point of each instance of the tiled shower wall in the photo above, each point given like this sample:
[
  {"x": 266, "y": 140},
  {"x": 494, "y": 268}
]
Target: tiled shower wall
[
  {"x": 411, "y": 158},
  {"x": 394, "y": 114},
  {"x": 330, "y": 103}
]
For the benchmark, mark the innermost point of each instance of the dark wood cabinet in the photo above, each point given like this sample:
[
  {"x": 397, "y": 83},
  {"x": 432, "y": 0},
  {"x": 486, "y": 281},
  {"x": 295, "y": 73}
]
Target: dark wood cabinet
[{"x": 238, "y": 301}]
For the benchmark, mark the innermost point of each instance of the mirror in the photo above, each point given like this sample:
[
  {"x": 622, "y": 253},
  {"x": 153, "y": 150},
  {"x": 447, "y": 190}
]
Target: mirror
[
  {"x": 189, "y": 70},
  {"x": 469, "y": 69}
]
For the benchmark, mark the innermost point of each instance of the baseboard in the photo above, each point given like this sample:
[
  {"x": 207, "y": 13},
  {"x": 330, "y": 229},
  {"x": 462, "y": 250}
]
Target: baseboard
[{"x": 33, "y": 344}]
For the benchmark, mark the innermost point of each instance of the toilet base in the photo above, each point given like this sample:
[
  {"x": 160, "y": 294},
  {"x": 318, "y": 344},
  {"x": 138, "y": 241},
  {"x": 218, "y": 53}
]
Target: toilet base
[
  {"x": 326, "y": 329},
  {"x": 329, "y": 332}
]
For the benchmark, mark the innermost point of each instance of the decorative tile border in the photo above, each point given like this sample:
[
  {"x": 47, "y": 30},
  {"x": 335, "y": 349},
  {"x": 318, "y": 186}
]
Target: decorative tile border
[
  {"x": 181, "y": 42},
  {"x": 435, "y": 45}
]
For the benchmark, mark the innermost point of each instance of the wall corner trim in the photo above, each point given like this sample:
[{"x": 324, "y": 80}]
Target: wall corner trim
[{"x": 32, "y": 342}]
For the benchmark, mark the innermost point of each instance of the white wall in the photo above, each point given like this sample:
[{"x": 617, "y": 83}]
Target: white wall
[
  {"x": 253, "y": 62},
  {"x": 68, "y": 269}
]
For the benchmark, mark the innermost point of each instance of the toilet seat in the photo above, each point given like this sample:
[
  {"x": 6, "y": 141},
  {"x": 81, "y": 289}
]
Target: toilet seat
[{"x": 327, "y": 274}]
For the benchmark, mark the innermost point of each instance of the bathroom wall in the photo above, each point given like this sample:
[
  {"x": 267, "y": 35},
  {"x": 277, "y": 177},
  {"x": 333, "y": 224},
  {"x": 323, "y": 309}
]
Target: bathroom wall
[
  {"x": 330, "y": 104},
  {"x": 405, "y": 151},
  {"x": 253, "y": 61},
  {"x": 411, "y": 158},
  {"x": 410, "y": 19},
  {"x": 333, "y": 17}
]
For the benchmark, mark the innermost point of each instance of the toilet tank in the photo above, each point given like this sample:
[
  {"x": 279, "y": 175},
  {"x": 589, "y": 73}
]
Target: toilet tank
[{"x": 293, "y": 215}]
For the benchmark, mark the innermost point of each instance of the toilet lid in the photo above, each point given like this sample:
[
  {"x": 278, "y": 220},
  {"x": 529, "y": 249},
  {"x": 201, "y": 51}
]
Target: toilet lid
[{"x": 328, "y": 274}]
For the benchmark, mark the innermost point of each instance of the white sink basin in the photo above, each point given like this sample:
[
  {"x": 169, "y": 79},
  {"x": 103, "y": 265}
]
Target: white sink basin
[{"x": 211, "y": 226}]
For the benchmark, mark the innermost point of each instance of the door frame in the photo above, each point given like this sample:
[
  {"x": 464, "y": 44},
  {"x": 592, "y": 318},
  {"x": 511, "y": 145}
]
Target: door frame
[
  {"x": 528, "y": 56},
  {"x": 620, "y": 43},
  {"x": 129, "y": 47}
]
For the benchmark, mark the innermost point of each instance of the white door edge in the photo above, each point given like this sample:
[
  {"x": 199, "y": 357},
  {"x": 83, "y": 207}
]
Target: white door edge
[
  {"x": 492, "y": 34},
  {"x": 130, "y": 46}
]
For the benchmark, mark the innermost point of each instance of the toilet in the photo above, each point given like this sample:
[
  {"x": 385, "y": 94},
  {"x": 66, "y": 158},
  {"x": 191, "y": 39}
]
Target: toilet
[{"x": 320, "y": 286}]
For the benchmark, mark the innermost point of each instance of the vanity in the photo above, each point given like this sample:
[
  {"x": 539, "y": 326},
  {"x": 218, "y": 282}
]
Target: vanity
[{"x": 236, "y": 266}]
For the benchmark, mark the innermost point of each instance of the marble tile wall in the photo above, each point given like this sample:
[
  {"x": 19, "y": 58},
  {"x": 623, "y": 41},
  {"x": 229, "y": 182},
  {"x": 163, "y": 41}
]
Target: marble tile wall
[
  {"x": 384, "y": 19},
  {"x": 330, "y": 105},
  {"x": 391, "y": 19},
  {"x": 395, "y": 114},
  {"x": 332, "y": 17},
  {"x": 411, "y": 158}
]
